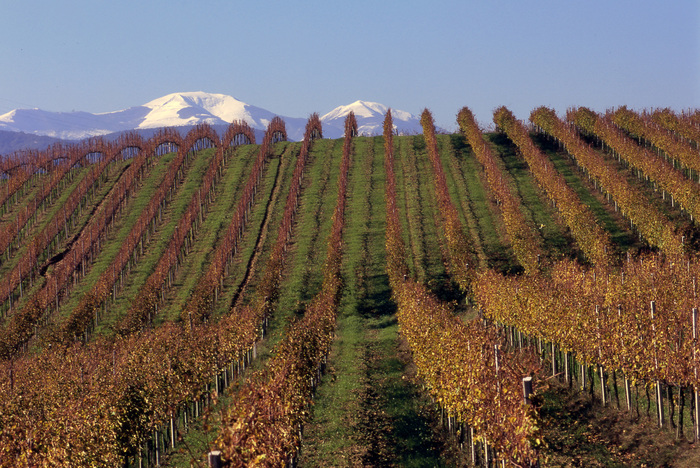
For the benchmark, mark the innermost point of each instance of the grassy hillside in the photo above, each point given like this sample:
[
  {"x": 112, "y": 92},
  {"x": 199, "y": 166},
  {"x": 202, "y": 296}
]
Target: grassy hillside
[{"x": 370, "y": 408}]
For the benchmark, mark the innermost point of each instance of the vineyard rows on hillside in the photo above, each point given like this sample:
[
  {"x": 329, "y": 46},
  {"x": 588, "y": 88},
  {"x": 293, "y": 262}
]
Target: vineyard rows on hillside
[{"x": 524, "y": 297}]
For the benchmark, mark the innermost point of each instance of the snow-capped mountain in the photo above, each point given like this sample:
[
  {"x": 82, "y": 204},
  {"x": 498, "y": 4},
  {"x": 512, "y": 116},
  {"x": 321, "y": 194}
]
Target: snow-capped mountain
[
  {"x": 173, "y": 110},
  {"x": 370, "y": 120},
  {"x": 189, "y": 109}
]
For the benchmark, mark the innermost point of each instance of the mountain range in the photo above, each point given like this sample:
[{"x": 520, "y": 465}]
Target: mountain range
[{"x": 36, "y": 128}]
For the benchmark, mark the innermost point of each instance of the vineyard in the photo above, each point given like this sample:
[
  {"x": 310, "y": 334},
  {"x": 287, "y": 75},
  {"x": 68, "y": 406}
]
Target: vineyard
[{"x": 523, "y": 297}]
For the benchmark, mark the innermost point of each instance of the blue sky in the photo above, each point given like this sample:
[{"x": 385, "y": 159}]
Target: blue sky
[{"x": 295, "y": 58}]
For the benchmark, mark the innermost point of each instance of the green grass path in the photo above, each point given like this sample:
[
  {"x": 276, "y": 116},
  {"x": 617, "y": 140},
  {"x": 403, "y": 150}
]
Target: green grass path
[{"x": 366, "y": 413}]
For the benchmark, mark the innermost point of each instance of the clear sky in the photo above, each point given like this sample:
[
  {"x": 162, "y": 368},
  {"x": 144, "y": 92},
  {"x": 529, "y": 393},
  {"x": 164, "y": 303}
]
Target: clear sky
[{"x": 298, "y": 57}]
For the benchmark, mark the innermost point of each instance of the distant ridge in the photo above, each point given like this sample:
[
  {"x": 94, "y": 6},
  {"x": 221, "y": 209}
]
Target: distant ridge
[
  {"x": 182, "y": 110},
  {"x": 14, "y": 141}
]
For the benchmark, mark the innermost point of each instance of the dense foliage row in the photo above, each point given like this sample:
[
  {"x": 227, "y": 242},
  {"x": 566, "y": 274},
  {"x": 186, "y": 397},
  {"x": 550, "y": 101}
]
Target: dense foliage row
[
  {"x": 682, "y": 125},
  {"x": 464, "y": 366},
  {"x": 96, "y": 404},
  {"x": 523, "y": 237},
  {"x": 263, "y": 426},
  {"x": 593, "y": 240},
  {"x": 658, "y": 170},
  {"x": 652, "y": 225},
  {"x": 462, "y": 260},
  {"x": 605, "y": 317},
  {"x": 470, "y": 372},
  {"x": 640, "y": 127}
]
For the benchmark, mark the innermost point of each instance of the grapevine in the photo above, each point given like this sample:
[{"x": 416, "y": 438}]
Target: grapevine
[
  {"x": 593, "y": 240},
  {"x": 653, "y": 225},
  {"x": 523, "y": 237}
]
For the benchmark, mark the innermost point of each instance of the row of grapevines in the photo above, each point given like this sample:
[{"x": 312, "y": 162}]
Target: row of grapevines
[
  {"x": 268, "y": 288},
  {"x": 463, "y": 365},
  {"x": 65, "y": 163},
  {"x": 462, "y": 260},
  {"x": 147, "y": 299},
  {"x": 653, "y": 225},
  {"x": 470, "y": 373},
  {"x": 659, "y": 137},
  {"x": 98, "y": 403},
  {"x": 396, "y": 249},
  {"x": 87, "y": 243},
  {"x": 661, "y": 172},
  {"x": 593, "y": 240},
  {"x": 262, "y": 428},
  {"x": 16, "y": 183},
  {"x": 37, "y": 247},
  {"x": 681, "y": 125},
  {"x": 523, "y": 237},
  {"x": 205, "y": 293},
  {"x": 605, "y": 317}
]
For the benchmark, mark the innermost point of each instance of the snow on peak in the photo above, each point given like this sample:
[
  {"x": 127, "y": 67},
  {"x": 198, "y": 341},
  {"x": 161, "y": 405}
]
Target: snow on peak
[
  {"x": 370, "y": 119},
  {"x": 360, "y": 108},
  {"x": 195, "y": 107},
  {"x": 172, "y": 110}
]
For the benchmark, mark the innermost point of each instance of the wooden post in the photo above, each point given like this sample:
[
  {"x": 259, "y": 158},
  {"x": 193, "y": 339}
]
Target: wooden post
[
  {"x": 659, "y": 396},
  {"x": 600, "y": 352},
  {"x": 603, "y": 393},
  {"x": 495, "y": 354},
  {"x": 155, "y": 433},
  {"x": 527, "y": 390},
  {"x": 472, "y": 444},
  {"x": 214, "y": 459},
  {"x": 628, "y": 398},
  {"x": 172, "y": 432},
  {"x": 660, "y": 403}
]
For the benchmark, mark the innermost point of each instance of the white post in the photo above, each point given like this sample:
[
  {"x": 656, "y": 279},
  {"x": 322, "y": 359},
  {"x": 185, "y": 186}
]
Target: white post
[
  {"x": 659, "y": 397},
  {"x": 172, "y": 432},
  {"x": 473, "y": 445}
]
